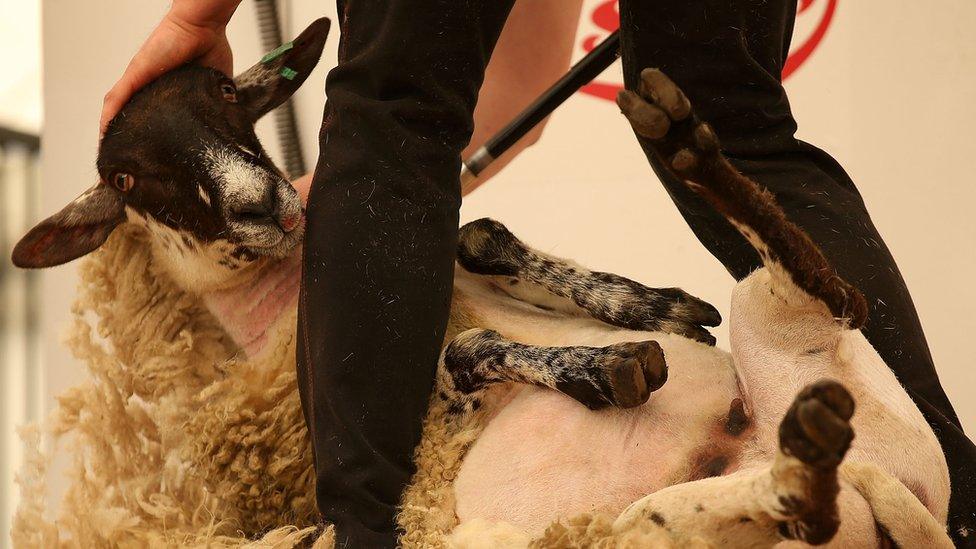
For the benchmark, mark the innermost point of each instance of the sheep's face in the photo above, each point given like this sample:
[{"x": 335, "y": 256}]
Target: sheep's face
[{"x": 182, "y": 160}]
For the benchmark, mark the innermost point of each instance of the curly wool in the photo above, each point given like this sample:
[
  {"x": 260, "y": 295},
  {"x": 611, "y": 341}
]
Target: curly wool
[
  {"x": 178, "y": 440},
  {"x": 175, "y": 440}
]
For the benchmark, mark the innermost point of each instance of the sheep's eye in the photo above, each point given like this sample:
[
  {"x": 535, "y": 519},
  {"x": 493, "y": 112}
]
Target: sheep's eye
[
  {"x": 229, "y": 91},
  {"x": 123, "y": 181}
]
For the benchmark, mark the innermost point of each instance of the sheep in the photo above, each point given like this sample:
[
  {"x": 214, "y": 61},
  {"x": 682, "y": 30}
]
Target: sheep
[{"x": 570, "y": 406}]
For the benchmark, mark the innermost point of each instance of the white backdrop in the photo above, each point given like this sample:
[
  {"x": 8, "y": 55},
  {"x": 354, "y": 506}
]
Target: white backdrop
[{"x": 889, "y": 92}]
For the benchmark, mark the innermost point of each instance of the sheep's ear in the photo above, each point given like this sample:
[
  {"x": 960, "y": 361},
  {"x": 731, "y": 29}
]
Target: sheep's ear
[
  {"x": 80, "y": 228},
  {"x": 276, "y": 77}
]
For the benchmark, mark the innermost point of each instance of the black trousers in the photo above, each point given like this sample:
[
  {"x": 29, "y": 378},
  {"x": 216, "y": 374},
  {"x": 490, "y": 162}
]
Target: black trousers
[{"x": 383, "y": 215}]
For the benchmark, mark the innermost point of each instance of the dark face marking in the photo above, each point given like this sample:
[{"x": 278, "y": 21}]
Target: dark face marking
[{"x": 790, "y": 504}]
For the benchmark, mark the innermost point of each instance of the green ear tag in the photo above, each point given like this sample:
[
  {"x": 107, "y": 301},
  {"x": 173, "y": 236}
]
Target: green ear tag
[
  {"x": 288, "y": 74},
  {"x": 277, "y": 52}
]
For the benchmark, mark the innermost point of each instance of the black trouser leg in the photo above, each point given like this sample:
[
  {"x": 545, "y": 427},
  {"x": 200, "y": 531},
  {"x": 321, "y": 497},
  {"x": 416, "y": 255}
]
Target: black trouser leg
[
  {"x": 728, "y": 57},
  {"x": 379, "y": 252}
]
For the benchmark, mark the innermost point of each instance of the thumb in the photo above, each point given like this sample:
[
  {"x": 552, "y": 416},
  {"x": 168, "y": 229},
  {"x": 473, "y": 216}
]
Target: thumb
[{"x": 303, "y": 185}]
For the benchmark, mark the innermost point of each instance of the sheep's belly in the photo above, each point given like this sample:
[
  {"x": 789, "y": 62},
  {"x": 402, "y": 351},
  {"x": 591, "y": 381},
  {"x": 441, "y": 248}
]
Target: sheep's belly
[{"x": 545, "y": 456}]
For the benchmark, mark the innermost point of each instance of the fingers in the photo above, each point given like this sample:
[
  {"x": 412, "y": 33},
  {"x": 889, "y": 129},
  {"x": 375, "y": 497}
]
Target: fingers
[
  {"x": 170, "y": 45},
  {"x": 303, "y": 185},
  {"x": 153, "y": 59},
  {"x": 112, "y": 104},
  {"x": 161, "y": 52},
  {"x": 206, "y": 45},
  {"x": 219, "y": 57}
]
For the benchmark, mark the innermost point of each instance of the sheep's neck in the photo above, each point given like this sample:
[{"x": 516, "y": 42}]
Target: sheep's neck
[{"x": 249, "y": 310}]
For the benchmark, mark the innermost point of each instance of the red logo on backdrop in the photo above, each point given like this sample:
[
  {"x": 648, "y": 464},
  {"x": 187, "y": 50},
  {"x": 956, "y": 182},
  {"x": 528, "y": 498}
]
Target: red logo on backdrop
[{"x": 606, "y": 17}]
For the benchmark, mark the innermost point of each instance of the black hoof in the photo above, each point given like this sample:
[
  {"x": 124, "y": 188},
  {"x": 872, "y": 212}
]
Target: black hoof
[
  {"x": 817, "y": 429},
  {"x": 634, "y": 371}
]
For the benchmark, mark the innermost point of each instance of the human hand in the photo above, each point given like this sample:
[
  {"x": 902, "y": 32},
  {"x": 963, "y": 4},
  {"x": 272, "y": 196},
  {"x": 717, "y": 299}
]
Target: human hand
[
  {"x": 192, "y": 30},
  {"x": 303, "y": 185}
]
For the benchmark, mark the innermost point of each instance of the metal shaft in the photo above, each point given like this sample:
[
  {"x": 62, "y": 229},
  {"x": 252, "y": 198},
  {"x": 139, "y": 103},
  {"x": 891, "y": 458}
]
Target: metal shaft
[{"x": 584, "y": 71}]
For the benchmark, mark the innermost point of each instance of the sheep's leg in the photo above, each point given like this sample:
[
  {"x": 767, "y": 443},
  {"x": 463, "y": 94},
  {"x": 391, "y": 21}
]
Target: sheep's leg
[
  {"x": 660, "y": 112},
  {"x": 794, "y": 499},
  {"x": 898, "y": 513},
  {"x": 622, "y": 375},
  {"x": 487, "y": 247}
]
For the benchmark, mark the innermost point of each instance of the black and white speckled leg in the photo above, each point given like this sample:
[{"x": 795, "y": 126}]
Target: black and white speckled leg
[
  {"x": 621, "y": 375},
  {"x": 487, "y": 247}
]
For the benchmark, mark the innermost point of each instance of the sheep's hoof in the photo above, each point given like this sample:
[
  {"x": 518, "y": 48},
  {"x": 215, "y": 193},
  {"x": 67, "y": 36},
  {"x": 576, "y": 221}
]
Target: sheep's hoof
[
  {"x": 817, "y": 429},
  {"x": 637, "y": 371}
]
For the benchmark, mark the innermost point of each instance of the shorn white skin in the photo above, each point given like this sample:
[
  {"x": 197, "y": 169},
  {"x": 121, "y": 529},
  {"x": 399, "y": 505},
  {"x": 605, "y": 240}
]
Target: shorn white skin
[{"x": 568, "y": 459}]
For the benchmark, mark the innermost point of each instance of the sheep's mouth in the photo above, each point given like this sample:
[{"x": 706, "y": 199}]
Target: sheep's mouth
[
  {"x": 284, "y": 247},
  {"x": 270, "y": 240}
]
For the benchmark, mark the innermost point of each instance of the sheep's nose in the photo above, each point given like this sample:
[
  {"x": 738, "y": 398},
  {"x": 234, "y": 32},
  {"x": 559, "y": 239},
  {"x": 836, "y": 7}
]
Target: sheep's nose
[
  {"x": 253, "y": 213},
  {"x": 290, "y": 223},
  {"x": 264, "y": 211}
]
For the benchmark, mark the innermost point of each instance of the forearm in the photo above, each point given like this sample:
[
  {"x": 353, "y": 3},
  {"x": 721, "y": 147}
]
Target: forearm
[{"x": 534, "y": 51}]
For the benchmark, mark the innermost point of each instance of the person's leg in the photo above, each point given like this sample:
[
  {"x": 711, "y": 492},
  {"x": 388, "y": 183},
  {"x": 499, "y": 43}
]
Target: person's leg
[
  {"x": 380, "y": 244},
  {"x": 728, "y": 57}
]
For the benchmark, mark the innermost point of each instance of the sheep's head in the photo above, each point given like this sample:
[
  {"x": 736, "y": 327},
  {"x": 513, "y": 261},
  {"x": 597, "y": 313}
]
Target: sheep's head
[{"x": 182, "y": 159}]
